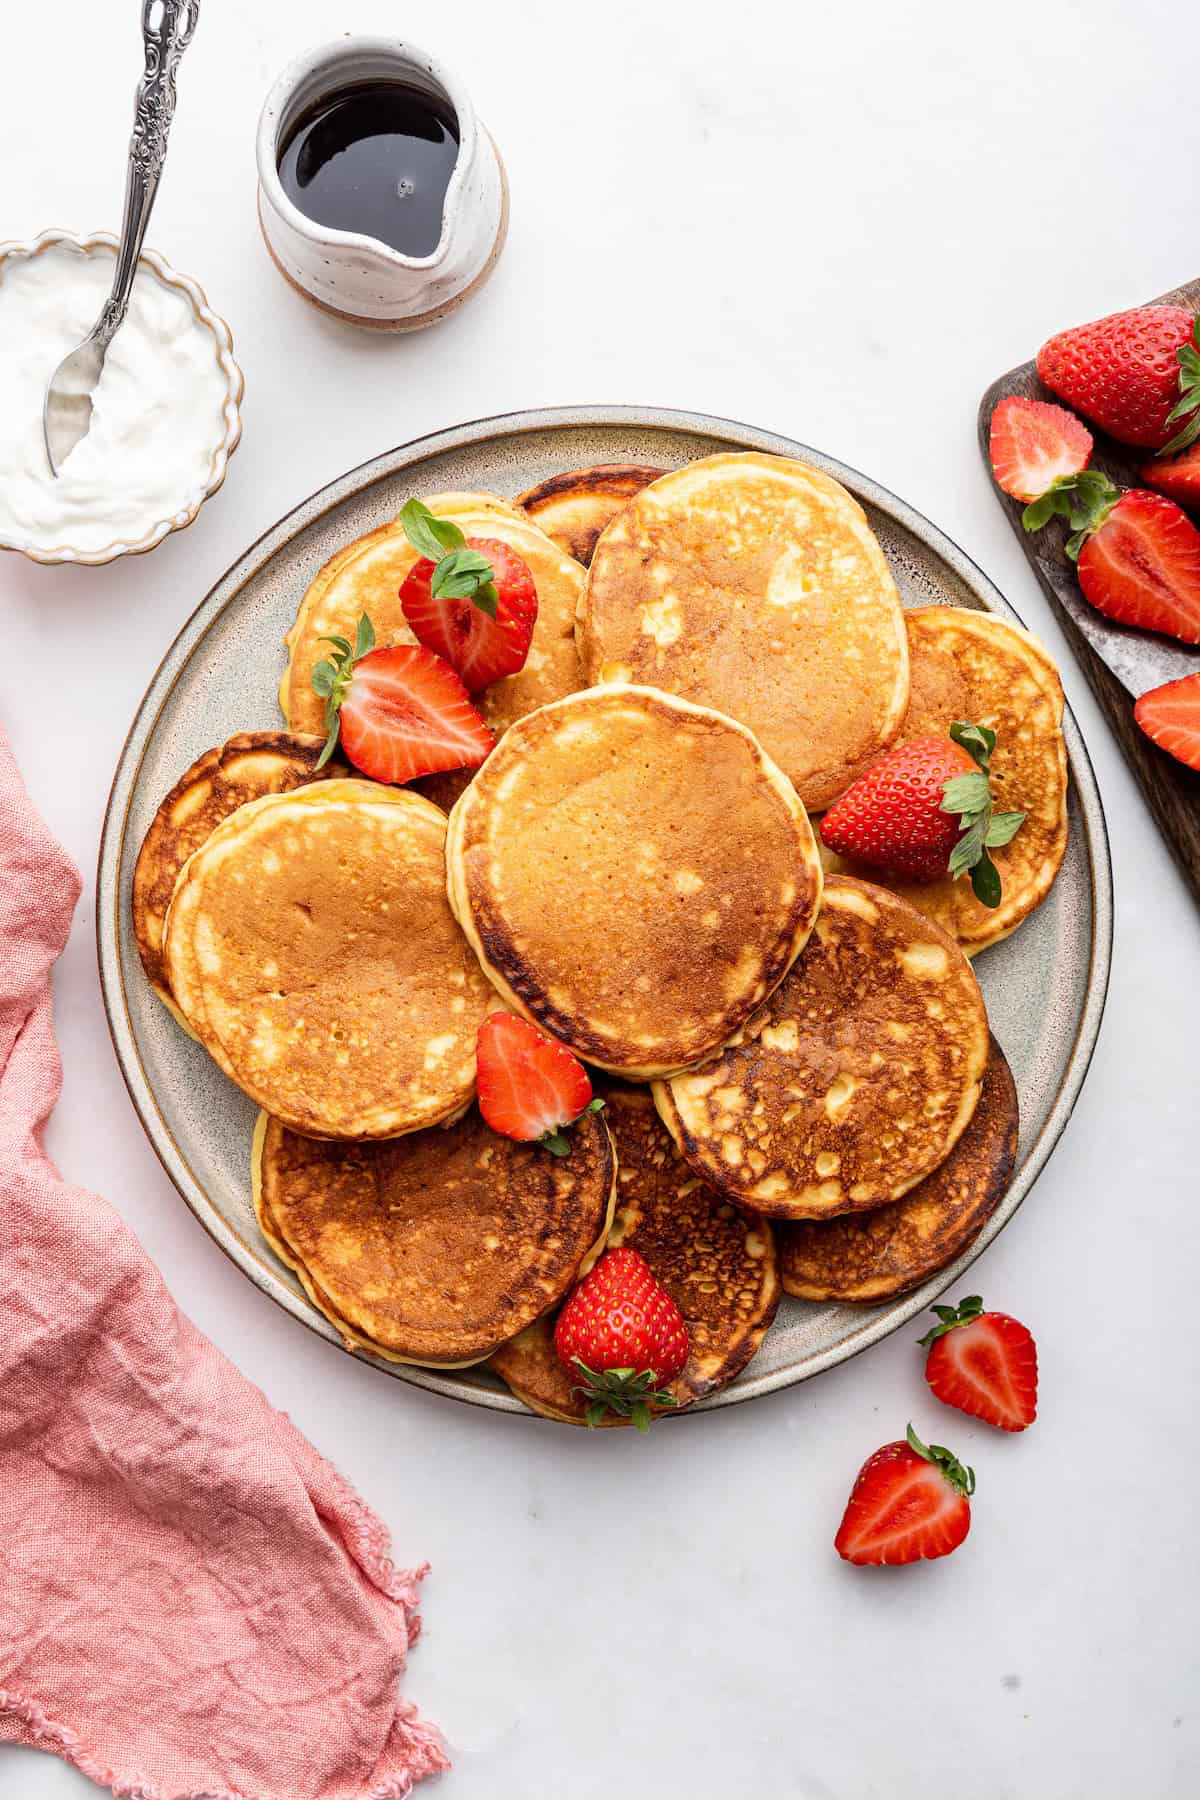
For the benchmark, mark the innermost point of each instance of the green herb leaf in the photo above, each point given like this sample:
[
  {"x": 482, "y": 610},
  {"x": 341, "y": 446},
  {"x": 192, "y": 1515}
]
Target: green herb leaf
[
  {"x": 1003, "y": 828},
  {"x": 466, "y": 575},
  {"x": 429, "y": 536},
  {"x": 556, "y": 1142},
  {"x": 969, "y": 848},
  {"x": 340, "y": 645},
  {"x": 1188, "y": 404},
  {"x": 978, "y": 740},
  {"x": 1054, "y": 503},
  {"x": 364, "y": 638},
  {"x": 593, "y": 1106},
  {"x": 323, "y": 677},
  {"x": 330, "y": 745},
  {"x": 966, "y": 793},
  {"x": 985, "y": 880}
]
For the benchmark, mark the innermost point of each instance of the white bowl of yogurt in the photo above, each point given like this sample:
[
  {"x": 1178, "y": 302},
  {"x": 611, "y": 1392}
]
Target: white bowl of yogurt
[{"x": 166, "y": 415}]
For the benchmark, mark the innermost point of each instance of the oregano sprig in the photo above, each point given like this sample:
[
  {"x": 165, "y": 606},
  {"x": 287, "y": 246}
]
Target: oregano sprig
[
  {"x": 460, "y": 573},
  {"x": 980, "y": 829}
]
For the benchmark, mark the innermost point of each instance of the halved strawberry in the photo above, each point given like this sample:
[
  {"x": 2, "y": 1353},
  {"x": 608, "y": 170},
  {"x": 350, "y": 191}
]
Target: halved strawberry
[
  {"x": 471, "y": 600},
  {"x": 400, "y": 713},
  {"x": 1176, "y": 476},
  {"x": 1138, "y": 553},
  {"x": 1170, "y": 715},
  {"x": 530, "y": 1086},
  {"x": 1032, "y": 443},
  {"x": 985, "y": 1363},
  {"x": 911, "y": 1502}
]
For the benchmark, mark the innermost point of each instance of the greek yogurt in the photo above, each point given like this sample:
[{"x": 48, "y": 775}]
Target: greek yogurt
[{"x": 161, "y": 415}]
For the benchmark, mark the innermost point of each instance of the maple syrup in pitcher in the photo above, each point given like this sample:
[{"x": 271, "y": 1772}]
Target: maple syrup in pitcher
[{"x": 375, "y": 159}]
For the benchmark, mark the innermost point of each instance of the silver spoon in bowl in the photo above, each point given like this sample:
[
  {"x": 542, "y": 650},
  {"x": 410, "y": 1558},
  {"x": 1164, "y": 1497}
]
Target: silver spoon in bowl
[{"x": 167, "y": 27}]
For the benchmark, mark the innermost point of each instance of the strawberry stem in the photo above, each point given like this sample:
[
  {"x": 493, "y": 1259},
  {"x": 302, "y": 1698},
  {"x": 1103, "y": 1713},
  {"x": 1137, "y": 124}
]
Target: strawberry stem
[
  {"x": 980, "y": 828},
  {"x": 952, "y": 1316},
  {"x": 460, "y": 573},
  {"x": 1188, "y": 405},
  {"x": 332, "y": 676},
  {"x": 1084, "y": 500},
  {"x": 629, "y": 1393},
  {"x": 960, "y": 1476},
  {"x": 557, "y": 1141}
]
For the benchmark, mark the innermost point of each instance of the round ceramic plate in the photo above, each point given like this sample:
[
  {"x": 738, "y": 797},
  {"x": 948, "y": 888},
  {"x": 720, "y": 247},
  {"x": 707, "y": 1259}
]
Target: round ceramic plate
[{"x": 1044, "y": 987}]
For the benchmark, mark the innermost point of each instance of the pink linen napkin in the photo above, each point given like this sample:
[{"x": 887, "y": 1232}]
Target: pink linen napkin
[{"x": 192, "y": 1601}]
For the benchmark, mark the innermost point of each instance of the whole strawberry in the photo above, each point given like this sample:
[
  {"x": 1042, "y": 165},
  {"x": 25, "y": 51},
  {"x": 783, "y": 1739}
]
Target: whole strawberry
[
  {"x": 910, "y": 1502},
  {"x": 924, "y": 810},
  {"x": 624, "y": 1338},
  {"x": 1135, "y": 374},
  {"x": 984, "y": 1363}
]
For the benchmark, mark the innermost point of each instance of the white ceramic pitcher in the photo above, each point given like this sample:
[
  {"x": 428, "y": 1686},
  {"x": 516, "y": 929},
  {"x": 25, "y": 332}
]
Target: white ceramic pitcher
[{"x": 358, "y": 278}]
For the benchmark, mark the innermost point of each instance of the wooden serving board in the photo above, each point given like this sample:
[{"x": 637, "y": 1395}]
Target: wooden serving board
[{"x": 1172, "y": 791}]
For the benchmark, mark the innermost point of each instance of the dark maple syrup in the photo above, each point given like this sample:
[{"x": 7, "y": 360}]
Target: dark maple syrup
[{"x": 375, "y": 158}]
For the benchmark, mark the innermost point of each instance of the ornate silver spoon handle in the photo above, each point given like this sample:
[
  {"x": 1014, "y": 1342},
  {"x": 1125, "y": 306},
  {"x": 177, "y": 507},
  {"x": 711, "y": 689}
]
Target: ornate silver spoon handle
[{"x": 167, "y": 27}]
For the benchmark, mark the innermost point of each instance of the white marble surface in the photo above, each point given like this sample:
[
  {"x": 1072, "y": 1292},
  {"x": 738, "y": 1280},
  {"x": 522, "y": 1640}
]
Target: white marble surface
[{"x": 841, "y": 223}]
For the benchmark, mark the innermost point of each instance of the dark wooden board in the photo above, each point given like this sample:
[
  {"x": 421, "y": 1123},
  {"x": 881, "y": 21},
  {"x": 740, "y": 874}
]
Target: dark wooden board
[{"x": 1172, "y": 791}]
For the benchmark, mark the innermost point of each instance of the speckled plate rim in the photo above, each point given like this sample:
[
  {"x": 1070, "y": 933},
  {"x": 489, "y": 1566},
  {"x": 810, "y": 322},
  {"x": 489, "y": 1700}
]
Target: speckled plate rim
[
  {"x": 877, "y": 1322},
  {"x": 231, "y": 413}
]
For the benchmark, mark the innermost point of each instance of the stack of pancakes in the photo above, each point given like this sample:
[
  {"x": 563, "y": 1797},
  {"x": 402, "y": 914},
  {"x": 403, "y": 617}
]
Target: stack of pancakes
[{"x": 801, "y": 1091}]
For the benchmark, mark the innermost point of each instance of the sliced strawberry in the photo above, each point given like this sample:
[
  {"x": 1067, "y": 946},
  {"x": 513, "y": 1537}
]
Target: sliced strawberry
[
  {"x": 1138, "y": 553},
  {"x": 530, "y": 1086},
  {"x": 911, "y": 1502},
  {"x": 400, "y": 713},
  {"x": 984, "y": 1363},
  {"x": 1033, "y": 443},
  {"x": 482, "y": 647},
  {"x": 1143, "y": 566},
  {"x": 1176, "y": 476},
  {"x": 1170, "y": 715}
]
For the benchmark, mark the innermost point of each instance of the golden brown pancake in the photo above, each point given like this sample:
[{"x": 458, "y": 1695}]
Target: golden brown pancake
[
  {"x": 866, "y": 1257},
  {"x": 435, "y": 1247},
  {"x": 311, "y": 949},
  {"x": 855, "y": 1079},
  {"x": 366, "y": 577},
  {"x": 573, "y": 508},
  {"x": 249, "y": 765},
  {"x": 717, "y": 1264},
  {"x": 971, "y": 666},
  {"x": 634, "y": 874},
  {"x": 753, "y": 584}
]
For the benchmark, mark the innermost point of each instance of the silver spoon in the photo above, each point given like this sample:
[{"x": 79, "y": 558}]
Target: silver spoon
[{"x": 167, "y": 27}]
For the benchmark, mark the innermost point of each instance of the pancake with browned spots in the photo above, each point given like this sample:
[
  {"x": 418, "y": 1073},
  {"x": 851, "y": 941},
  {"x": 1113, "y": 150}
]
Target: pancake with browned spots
[
  {"x": 862, "y": 1258},
  {"x": 249, "y": 765},
  {"x": 718, "y": 1265},
  {"x": 855, "y": 1079},
  {"x": 635, "y": 875},
  {"x": 574, "y": 508},
  {"x": 753, "y": 584},
  {"x": 366, "y": 576},
  {"x": 972, "y": 666},
  {"x": 437, "y": 1246},
  {"x": 311, "y": 949}
]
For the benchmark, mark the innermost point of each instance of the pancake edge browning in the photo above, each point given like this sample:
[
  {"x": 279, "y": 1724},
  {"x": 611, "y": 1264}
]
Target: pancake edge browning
[
  {"x": 499, "y": 959},
  {"x": 158, "y": 844},
  {"x": 195, "y": 1018},
  {"x": 599, "y": 482},
  {"x": 987, "y": 1147},
  {"x": 696, "y": 1152},
  {"x": 353, "y": 1339}
]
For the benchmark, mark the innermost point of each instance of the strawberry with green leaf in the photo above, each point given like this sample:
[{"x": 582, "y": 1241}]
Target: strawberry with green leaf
[
  {"x": 1137, "y": 552},
  {"x": 1136, "y": 374},
  {"x": 924, "y": 810},
  {"x": 399, "y": 712},
  {"x": 531, "y": 1087},
  {"x": 473, "y": 601},
  {"x": 623, "y": 1338}
]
